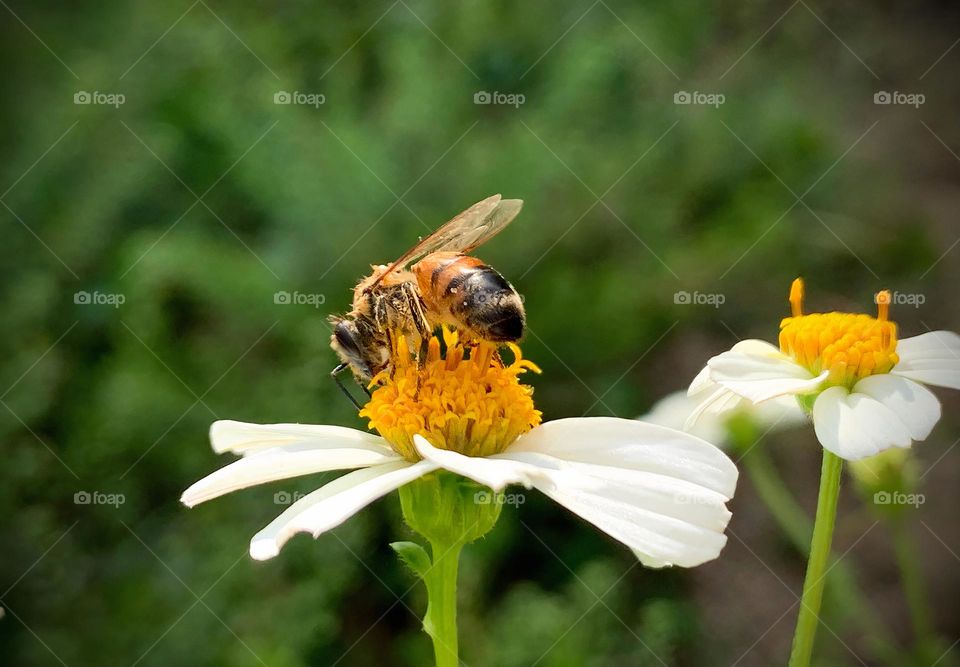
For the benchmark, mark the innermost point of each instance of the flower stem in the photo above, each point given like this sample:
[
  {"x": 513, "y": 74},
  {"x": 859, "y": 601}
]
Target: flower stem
[
  {"x": 793, "y": 520},
  {"x": 813, "y": 584},
  {"x": 924, "y": 635},
  {"x": 440, "y": 621}
]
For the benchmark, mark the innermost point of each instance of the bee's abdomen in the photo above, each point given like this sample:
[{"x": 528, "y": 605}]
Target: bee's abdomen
[{"x": 473, "y": 296}]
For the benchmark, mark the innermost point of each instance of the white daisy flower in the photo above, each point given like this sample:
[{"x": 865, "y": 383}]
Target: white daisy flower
[
  {"x": 863, "y": 387},
  {"x": 657, "y": 490}
]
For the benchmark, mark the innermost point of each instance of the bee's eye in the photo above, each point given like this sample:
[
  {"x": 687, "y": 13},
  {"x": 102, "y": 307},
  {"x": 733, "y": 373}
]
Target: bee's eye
[{"x": 346, "y": 334}]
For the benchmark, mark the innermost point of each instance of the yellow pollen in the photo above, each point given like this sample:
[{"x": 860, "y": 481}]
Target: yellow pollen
[
  {"x": 467, "y": 400},
  {"x": 851, "y": 346}
]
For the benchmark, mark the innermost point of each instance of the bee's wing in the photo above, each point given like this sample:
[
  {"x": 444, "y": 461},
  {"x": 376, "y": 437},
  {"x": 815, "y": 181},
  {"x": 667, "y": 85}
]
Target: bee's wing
[{"x": 468, "y": 230}]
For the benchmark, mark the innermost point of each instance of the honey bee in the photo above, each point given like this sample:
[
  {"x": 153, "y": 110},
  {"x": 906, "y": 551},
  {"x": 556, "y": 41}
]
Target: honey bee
[{"x": 443, "y": 285}]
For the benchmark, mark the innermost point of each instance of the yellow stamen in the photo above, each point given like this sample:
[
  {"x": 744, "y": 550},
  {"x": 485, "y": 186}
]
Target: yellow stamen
[
  {"x": 796, "y": 297},
  {"x": 851, "y": 346},
  {"x": 467, "y": 400},
  {"x": 883, "y": 305}
]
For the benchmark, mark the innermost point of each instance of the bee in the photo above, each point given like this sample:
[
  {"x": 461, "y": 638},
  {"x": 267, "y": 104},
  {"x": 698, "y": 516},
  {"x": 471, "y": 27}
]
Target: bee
[{"x": 443, "y": 285}]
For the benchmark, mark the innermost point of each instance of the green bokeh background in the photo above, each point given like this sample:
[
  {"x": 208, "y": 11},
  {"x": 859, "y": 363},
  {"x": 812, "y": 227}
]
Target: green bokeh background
[{"x": 296, "y": 198}]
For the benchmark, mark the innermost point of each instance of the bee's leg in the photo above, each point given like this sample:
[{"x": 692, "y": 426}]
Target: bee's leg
[
  {"x": 391, "y": 346},
  {"x": 420, "y": 323},
  {"x": 335, "y": 374}
]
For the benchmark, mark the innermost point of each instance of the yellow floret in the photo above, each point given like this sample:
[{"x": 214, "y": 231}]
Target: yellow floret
[
  {"x": 851, "y": 346},
  {"x": 466, "y": 400}
]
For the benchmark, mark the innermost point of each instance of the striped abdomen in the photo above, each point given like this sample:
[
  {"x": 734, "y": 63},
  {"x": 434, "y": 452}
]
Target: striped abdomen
[{"x": 464, "y": 292}]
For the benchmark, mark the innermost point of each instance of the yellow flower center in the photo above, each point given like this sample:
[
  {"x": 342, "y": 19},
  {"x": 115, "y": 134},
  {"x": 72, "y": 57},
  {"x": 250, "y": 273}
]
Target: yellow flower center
[
  {"x": 467, "y": 400},
  {"x": 851, "y": 346}
]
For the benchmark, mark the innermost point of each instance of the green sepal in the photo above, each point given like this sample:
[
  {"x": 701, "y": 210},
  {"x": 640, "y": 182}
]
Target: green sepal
[
  {"x": 447, "y": 509},
  {"x": 413, "y": 556}
]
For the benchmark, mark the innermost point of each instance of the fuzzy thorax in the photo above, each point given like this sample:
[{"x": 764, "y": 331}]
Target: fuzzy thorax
[{"x": 466, "y": 400}]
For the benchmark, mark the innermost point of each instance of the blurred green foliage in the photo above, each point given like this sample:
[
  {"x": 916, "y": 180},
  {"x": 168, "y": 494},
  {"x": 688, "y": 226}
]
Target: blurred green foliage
[{"x": 198, "y": 199}]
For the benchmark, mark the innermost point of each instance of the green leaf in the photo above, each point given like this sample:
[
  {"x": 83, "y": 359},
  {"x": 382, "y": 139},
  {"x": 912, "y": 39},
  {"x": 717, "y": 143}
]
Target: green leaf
[{"x": 414, "y": 556}]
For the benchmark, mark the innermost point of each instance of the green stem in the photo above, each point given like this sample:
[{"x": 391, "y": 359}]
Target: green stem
[
  {"x": 793, "y": 520},
  {"x": 440, "y": 621},
  {"x": 813, "y": 584},
  {"x": 913, "y": 586}
]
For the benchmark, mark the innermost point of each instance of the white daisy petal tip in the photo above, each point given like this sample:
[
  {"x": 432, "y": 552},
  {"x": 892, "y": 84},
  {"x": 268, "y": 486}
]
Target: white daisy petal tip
[
  {"x": 188, "y": 497},
  {"x": 263, "y": 549},
  {"x": 657, "y": 564},
  {"x": 335, "y": 502}
]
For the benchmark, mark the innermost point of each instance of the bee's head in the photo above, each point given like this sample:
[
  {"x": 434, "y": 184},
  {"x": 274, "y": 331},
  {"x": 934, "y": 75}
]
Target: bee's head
[{"x": 347, "y": 342}]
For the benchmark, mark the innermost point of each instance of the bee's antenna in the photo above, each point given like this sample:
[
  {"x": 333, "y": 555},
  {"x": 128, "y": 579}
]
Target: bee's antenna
[{"x": 335, "y": 374}]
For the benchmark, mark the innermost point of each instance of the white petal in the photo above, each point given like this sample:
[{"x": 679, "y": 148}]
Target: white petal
[
  {"x": 782, "y": 410},
  {"x": 665, "y": 520},
  {"x": 715, "y": 403},
  {"x": 634, "y": 445},
  {"x": 912, "y": 403},
  {"x": 701, "y": 382},
  {"x": 760, "y": 371},
  {"x": 243, "y": 438},
  {"x": 854, "y": 426},
  {"x": 269, "y": 465},
  {"x": 334, "y": 503},
  {"x": 493, "y": 472},
  {"x": 675, "y": 411},
  {"x": 659, "y": 491},
  {"x": 931, "y": 358}
]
